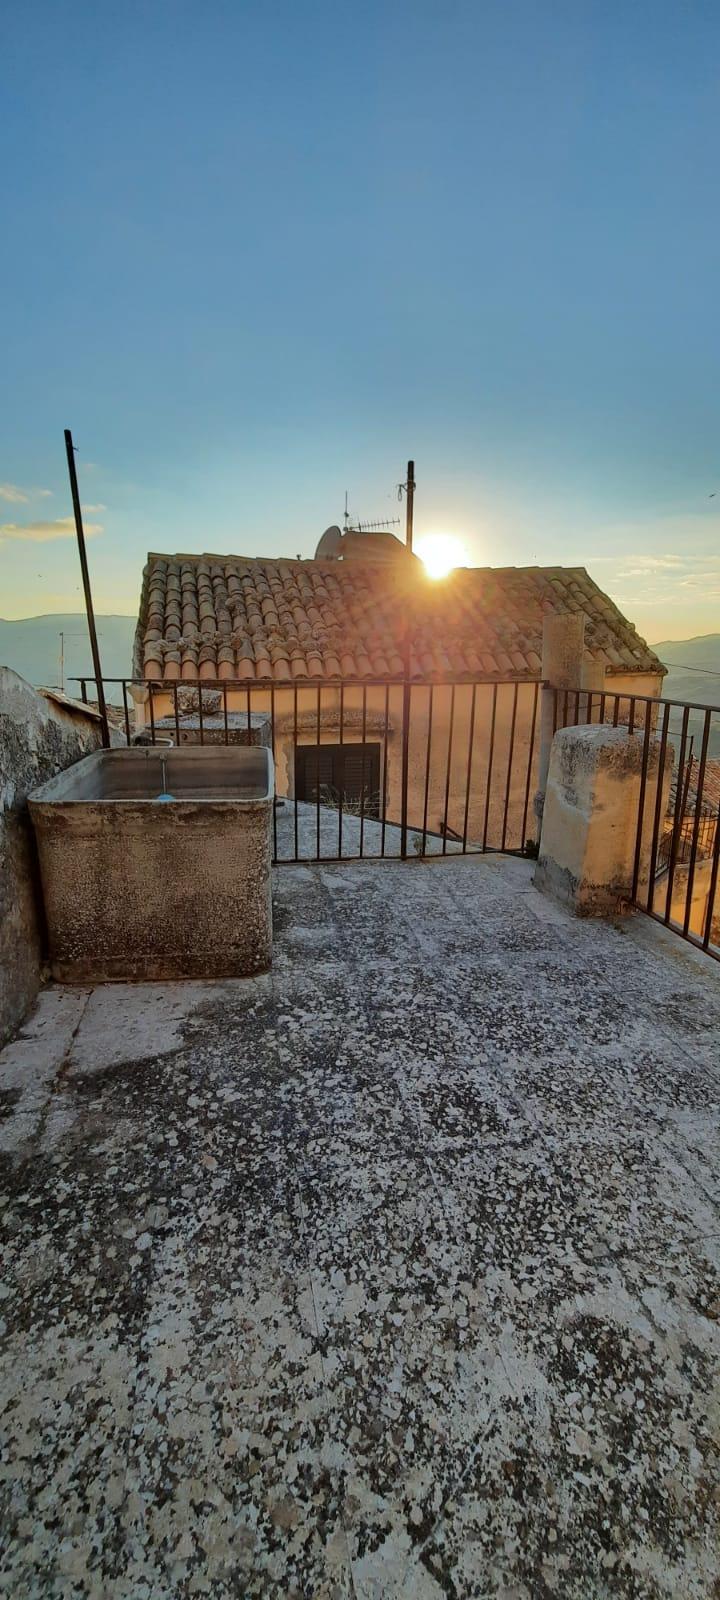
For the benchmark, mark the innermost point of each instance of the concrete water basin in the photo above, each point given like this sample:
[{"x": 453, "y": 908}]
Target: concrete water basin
[{"x": 155, "y": 864}]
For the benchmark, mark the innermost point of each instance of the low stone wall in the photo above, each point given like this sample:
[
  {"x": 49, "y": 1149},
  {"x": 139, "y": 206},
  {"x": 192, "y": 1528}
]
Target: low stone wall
[{"x": 38, "y": 738}]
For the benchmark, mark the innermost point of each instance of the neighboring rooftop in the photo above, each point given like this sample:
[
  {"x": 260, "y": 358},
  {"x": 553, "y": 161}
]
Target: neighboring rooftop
[
  {"x": 251, "y": 618},
  {"x": 393, "y": 1274}
]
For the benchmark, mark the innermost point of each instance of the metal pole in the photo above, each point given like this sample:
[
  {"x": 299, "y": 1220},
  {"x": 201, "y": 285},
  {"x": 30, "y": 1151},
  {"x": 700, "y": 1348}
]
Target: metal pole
[
  {"x": 70, "y": 448},
  {"x": 409, "y": 498},
  {"x": 62, "y": 662},
  {"x": 409, "y": 506}
]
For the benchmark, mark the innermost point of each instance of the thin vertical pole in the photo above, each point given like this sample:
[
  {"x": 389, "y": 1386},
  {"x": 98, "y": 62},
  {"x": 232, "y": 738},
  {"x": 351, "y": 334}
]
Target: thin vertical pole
[
  {"x": 449, "y": 765},
  {"x": 126, "y": 710},
  {"x": 677, "y": 818},
  {"x": 427, "y": 766},
  {"x": 696, "y": 827},
  {"x": 342, "y": 773},
  {"x": 529, "y": 765},
  {"x": 405, "y": 753},
  {"x": 490, "y": 766},
  {"x": 272, "y": 742},
  {"x": 658, "y": 818},
  {"x": 510, "y": 765},
  {"x": 295, "y": 763},
  {"x": 362, "y": 769},
  {"x": 409, "y": 505},
  {"x": 317, "y": 780},
  {"x": 102, "y": 708},
  {"x": 471, "y": 741},
  {"x": 385, "y": 769}
]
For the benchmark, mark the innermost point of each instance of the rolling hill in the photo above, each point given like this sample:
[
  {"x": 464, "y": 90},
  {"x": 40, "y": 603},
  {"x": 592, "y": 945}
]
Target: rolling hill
[{"x": 31, "y": 646}]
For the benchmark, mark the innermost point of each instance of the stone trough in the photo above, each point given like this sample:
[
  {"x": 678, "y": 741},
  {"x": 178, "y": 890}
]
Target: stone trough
[{"x": 155, "y": 864}]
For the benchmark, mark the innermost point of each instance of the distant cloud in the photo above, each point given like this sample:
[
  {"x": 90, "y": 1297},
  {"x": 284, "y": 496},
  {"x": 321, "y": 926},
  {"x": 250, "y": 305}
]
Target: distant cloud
[
  {"x": 94, "y": 510},
  {"x": 21, "y": 497},
  {"x": 41, "y": 532}
]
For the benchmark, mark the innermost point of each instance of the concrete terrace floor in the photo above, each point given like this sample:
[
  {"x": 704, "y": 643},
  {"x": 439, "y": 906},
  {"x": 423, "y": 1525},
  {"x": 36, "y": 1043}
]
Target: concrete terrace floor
[{"x": 392, "y": 1274}]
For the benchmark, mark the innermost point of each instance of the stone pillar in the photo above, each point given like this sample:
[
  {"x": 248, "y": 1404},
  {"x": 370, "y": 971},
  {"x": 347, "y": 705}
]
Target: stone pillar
[
  {"x": 590, "y": 818},
  {"x": 563, "y": 649}
]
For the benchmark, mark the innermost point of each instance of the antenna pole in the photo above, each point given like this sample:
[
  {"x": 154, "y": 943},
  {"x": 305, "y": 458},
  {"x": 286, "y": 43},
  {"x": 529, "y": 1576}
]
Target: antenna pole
[
  {"x": 97, "y": 669},
  {"x": 409, "y": 504}
]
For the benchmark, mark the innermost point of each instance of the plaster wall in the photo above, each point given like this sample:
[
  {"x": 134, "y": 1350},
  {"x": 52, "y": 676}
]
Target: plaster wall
[{"x": 38, "y": 738}]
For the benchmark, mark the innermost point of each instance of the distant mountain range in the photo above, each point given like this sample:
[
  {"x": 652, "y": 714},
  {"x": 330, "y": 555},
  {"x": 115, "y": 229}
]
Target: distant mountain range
[
  {"x": 31, "y": 646},
  {"x": 680, "y": 657}
]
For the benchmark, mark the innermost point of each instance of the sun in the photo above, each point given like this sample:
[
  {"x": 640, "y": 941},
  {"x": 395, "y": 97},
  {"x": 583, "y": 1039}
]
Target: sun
[{"x": 440, "y": 553}]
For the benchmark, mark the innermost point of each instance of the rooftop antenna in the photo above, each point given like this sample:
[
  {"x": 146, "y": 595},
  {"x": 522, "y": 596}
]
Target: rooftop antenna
[
  {"x": 408, "y": 489},
  {"x": 347, "y": 514},
  {"x": 374, "y": 527}
]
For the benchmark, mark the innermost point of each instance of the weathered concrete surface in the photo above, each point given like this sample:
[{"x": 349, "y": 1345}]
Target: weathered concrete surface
[
  {"x": 590, "y": 817},
  {"x": 137, "y": 889},
  {"x": 38, "y": 738},
  {"x": 393, "y": 1274}
]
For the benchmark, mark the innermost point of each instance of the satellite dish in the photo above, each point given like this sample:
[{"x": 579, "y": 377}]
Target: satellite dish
[{"x": 329, "y": 546}]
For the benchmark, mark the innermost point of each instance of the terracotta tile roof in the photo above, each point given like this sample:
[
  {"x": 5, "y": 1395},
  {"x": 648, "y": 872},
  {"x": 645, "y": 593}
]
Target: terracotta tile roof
[{"x": 214, "y": 616}]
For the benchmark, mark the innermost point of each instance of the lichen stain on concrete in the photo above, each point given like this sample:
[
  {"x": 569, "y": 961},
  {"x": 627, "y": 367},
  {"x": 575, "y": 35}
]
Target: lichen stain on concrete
[{"x": 395, "y": 1273}]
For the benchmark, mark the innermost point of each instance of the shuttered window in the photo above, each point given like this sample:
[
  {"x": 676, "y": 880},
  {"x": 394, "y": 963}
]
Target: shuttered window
[{"x": 344, "y": 771}]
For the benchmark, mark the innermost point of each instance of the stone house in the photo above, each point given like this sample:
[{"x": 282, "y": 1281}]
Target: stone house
[{"x": 319, "y": 645}]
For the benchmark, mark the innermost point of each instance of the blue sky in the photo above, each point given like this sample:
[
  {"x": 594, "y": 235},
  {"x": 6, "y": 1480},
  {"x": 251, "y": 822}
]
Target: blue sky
[{"x": 256, "y": 254}]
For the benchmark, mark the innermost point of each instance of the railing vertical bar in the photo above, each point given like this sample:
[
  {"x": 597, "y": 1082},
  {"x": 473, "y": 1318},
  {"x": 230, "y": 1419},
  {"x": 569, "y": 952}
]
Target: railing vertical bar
[
  {"x": 449, "y": 768},
  {"x": 565, "y": 708},
  {"x": 555, "y": 711},
  {"x": 577, "y": 707},
  {"x": 427, "y": 766},
  {"x": 616, "y": 712},
  {"x": 641, "y": 810},
  {"x": 317, "y": 781},
  {"x": 529, "y": 765},
  {"x": 152, "y": 712},
  {"x": 362, "y": 770},
  {"x": 511, "y": 749},
  {"x": 490, "y": 766},
  {"x": 713, "y": 886},
  {"x": 272, "y": 747},
  {"x": 342, "y": 773},
  {"x": 200, "y": 713},
  {"x": 295, "y": 764},
  {"x": 225, "y": 714},
  {"x": 385, "y": 769},
  {"x": 676, "y": 817},
  {"x": 603, "y": 698},
  {"x": 249, "y": 716},
  {"x": 127, "y": 712},
  {"x": 631, "y": 719},
  {"x": 471, "y": 740},
  {"x": 658, "y": 806},
  {"x": 696, "y": 828},
  {"x": 83, "y": 691},
  {"x": 176, "y": 712},
  {"x": 589, "y": 708}
]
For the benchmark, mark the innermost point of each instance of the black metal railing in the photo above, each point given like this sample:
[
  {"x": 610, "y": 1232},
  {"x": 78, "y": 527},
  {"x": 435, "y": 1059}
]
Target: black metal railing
[
  {"x": 364, "y": 768},
  {"x": 676, "y": 828},
  {"x": 369, "y": 769}
]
